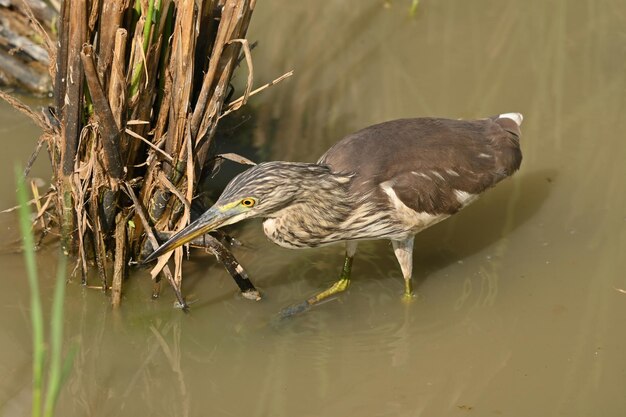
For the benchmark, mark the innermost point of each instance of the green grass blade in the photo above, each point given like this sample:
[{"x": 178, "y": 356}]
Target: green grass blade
[
  {"x": 137, "y": 70},
  {"x": 56, "y": 340},
  {"x": 68, "y": 362},
  {"x": 150, "y": 20},
  {"x": 156, "y": 18},
  {"x": 36, "y": 315}
]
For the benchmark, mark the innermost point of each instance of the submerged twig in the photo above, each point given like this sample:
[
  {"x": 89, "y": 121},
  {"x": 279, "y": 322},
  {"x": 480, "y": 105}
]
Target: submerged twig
[{"x": 153, "y": 240}]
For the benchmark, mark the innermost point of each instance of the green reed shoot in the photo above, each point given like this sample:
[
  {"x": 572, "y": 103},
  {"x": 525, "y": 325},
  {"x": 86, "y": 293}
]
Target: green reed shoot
[
  {"x": 56, "y": 372},
  {"x": 36, "y": 315},
  {"x": 150, "y": 21}
]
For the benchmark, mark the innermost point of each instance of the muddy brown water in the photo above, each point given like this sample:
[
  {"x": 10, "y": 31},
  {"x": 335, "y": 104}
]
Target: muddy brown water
[{"x": 520, "y": 311}]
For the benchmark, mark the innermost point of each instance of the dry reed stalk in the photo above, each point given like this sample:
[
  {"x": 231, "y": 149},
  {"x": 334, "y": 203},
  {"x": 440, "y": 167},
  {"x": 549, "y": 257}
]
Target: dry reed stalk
[
  {"x": 119, "y": 268},
  {"x": 117, "y": 89},
  {"x": 139, "y": 90},
  {"x": 108, "y": 131}
]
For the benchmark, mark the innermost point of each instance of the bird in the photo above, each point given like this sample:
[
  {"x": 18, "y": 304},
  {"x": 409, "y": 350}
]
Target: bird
[{"x": 387, "y": 181}]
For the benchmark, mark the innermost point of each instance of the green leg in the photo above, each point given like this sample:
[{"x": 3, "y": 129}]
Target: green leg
[
  {"x": 339, "y": 286},
  {"x": 404, "y": 252},
  {"x": 408, "y": 289}
]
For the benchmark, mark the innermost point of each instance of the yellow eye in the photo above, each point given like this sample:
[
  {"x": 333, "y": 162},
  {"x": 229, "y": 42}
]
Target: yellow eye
[{"x": 248, "y": 202}]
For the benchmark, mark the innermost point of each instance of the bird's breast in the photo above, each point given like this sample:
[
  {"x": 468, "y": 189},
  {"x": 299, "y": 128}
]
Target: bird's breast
[{"x": 278, "y": 232}]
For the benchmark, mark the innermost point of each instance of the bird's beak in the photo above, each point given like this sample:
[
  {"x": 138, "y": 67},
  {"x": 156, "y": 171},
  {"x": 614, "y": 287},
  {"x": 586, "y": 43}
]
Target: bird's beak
[{"x": 212, "y": 219}]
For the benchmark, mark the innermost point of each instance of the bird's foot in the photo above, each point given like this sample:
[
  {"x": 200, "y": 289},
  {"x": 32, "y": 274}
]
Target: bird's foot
[
  {"x": 294, "y": 310},
  {"x": 338, "y": 286},
  {"x": 304, "y": 306},
  {"x": 408, "y": 298}
]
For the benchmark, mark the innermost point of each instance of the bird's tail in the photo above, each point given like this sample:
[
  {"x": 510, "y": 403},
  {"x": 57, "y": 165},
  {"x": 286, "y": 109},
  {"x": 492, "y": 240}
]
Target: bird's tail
[{"x": 510, "y": 122}]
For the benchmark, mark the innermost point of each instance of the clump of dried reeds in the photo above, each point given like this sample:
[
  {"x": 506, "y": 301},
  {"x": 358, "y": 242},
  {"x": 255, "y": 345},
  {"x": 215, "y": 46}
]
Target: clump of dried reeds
[{"x": 139, "y": 88}]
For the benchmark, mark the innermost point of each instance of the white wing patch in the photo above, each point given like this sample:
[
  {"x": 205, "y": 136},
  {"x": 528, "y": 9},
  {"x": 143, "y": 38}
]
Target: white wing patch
[
  {"x": 413, "y": 220},
  {"x": 464, "y": 197}
]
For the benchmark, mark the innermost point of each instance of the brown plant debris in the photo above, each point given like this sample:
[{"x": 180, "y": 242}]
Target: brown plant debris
[{"x": 139, "y": 89}]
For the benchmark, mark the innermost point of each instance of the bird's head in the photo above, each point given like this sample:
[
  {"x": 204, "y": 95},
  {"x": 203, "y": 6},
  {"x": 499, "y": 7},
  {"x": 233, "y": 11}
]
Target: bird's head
[{"x": 257, "y": 192}]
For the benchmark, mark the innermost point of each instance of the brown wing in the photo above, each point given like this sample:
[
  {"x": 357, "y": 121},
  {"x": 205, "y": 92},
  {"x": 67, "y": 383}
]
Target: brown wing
[{"x": 428, "y": 161}]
